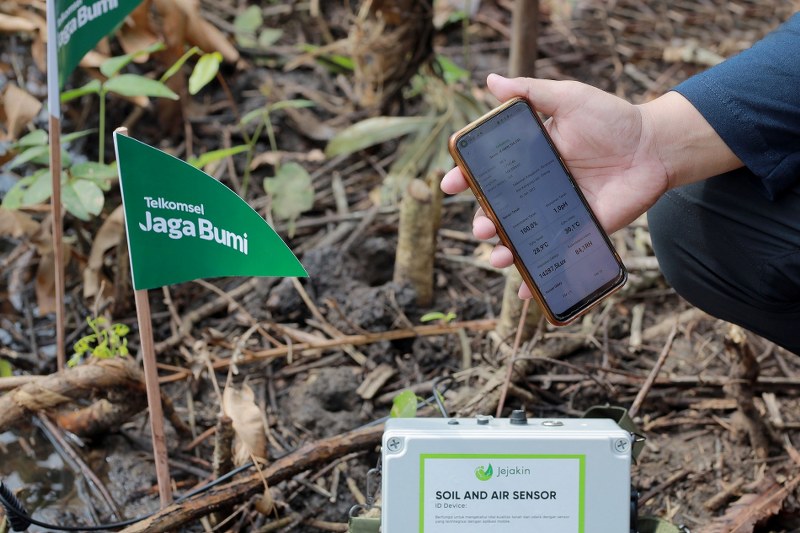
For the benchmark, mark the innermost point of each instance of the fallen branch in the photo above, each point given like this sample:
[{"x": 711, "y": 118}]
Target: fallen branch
[{"x": 176, "y": 515}]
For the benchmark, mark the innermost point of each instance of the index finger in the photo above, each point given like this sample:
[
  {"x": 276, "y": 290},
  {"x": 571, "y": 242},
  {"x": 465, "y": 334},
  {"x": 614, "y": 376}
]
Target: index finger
[{"x": 453, "y": 182}]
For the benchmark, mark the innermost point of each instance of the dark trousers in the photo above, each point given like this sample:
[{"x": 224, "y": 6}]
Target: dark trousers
[{"x": 733, "y": 253}]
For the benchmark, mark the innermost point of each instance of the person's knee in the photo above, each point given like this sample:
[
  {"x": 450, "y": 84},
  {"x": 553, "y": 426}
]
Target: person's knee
[{"x": 668, "y": 235}]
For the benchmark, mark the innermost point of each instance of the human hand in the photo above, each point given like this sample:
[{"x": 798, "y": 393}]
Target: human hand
[{"x": 604, "y": 140}]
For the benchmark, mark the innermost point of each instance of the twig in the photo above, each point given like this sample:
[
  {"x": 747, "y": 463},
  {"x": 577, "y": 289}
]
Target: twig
[
  {"x": 53, "y": 433},
  {"x": 204, "y": 311},
  {"x": 357, "y": 356},
  {"x": 237, "y": 305},
  {"x": 719, "y": 499},
  {"x": 671, "y": 480},
  {"x": 512, "y": 359},
  {"x": 662, "y": 357}
]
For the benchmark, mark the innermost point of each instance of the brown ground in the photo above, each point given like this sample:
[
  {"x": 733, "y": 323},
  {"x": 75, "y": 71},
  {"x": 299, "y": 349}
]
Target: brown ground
[{"x": 698, "y": 458}]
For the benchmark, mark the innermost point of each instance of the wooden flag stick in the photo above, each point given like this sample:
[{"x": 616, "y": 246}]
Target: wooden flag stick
[
  {"x": 54, "y": 110},
  {"x": 145, "y": 320},
  {"x": 58, "y": 236}
]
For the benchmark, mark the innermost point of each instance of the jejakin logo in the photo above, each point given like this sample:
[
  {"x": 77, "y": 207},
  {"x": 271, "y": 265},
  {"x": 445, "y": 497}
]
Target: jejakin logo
[{"x": 484, "y": 474}]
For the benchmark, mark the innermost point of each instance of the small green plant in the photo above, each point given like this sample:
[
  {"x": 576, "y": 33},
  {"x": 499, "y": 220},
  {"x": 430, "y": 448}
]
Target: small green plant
[
  {"x": 404, "y": 405},
  {"x": 82, "y": 184},
  {"x": 106, "y": 341},
  {"x": 134, "y": 85},
  {"x": 291, "y": 189},
  {"x": 250, "y": 32},
  {"x": 130, "y": 85}
]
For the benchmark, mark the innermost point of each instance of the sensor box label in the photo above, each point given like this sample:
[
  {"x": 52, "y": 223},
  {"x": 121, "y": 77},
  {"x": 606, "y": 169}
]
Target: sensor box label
[
  {"x": 495, "y": 475},
  {"x": 468, "y": 493}
]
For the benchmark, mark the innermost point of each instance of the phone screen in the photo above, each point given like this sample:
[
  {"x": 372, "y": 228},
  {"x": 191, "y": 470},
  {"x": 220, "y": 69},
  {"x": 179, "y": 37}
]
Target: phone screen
[{"x": 552, "y": 232}]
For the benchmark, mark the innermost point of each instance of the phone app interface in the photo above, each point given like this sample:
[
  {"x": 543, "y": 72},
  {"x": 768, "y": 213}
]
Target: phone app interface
[{"x": 553, "y": 234}]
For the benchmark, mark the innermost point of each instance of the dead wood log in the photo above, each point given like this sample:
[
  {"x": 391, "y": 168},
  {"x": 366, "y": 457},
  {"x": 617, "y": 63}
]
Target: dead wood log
[
  {"x": 389, "y": 41},
  {"x": 58, "y": 389},
  {"x": 524, "y": 37},
  {"x": 416, "y": 242},
  {"x": 178, "y": 514},
  {"x": 511, "y": 310},
  {"x": 744, "y": 376}
]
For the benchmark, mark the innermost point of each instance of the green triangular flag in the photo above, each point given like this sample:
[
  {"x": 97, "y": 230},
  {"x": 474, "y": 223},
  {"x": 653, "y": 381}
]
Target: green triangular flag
[
  {"x": 78, "y": 25},
  {"x": 183, "y": 224}
]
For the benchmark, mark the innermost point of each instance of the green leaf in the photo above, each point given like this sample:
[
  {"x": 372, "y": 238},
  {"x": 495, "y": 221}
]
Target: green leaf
[
  {"x": 178, "y": 64},
  {"x": 262, "y": 112},
  {"x": 252, "y": 115},
  {"x": 216, "y": 155},
  {"x": 76, "y": 135},
  {"x": 292, "y": 193},
  {"x": 205, "y": 71},
  {"x": 135, "y": 85},
  {"x": 290, "y": 104},
  {"x": 99, "y": 173},
  {"x": 374, "y": 131},
  {"x": 93, "y": 87},
  {"x": 28, "y": 155},
  {"x": 452, "y": 72},
  {"x": 113, "y": 65},
  {"x": 268, "y": 37},
  {"x": 433, "y": 315},
  {"x": 5, "y": 369},
  {"x": 245, "y": 25},
  {"x": 249, "y": 20},
  {"x": 82, "y": 198},
  {"x": 404, "y": 405},
  {"x": 13, "y": 198},
  {"x": 342, "y": 63},
  {"x": 40, "y": 189},
  {"x": 81, "y": 346},
  {"x": 34, "y": 138}
]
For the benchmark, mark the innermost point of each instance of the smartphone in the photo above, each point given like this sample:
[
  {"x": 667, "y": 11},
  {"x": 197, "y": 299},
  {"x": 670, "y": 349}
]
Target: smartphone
[{"x": 523, "y": 185}]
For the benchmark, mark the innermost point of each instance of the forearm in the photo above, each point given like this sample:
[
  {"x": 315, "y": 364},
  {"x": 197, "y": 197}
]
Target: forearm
[{"x": 684, "y": 141}]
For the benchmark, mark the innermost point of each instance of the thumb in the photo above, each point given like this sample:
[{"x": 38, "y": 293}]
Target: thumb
[{"x": 545, "y": 95}]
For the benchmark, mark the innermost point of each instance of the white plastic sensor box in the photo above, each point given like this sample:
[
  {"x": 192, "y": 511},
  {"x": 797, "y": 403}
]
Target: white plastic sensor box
[{"x": 487, "y": 475}]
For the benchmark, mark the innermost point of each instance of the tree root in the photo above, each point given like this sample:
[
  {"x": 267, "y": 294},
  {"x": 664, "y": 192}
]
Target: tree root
[{"x": 105, "y": 376}]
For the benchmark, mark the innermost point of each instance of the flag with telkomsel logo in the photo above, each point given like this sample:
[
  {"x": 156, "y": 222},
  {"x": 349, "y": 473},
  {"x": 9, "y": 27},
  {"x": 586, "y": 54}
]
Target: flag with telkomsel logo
[
  {"x": 182, "y": 224},
  {"x": 73, "y": 28}
]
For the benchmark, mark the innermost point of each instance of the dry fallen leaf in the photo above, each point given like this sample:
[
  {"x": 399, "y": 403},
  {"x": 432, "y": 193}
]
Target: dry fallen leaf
[
  {"x": 17, "y": 224},
  {"x": 108, "y": 236},
  {"x": 136, "y": 34},
  {"x": 184, "y": 23},
  {"x": 241, "y": 407},
  {"x": 38, "y": 49},
  {"x": 46, "y": 284},
  {"x": 12, "y": 24},
  {"x": 20, "y": 107},
  {"x": 265, "y": 504}
]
